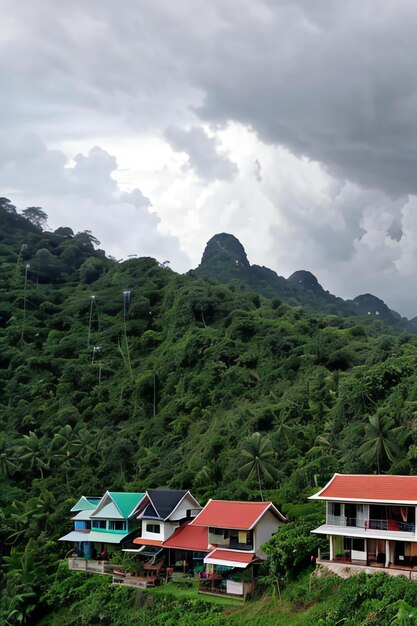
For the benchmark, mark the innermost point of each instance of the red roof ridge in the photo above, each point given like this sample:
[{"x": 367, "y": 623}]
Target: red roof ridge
[
  {"x": 240, "y": 501},
  {"x": 377, "y": 475},
  {"x": 234, "y": 514},
  {"x": 394, "y": 488}
]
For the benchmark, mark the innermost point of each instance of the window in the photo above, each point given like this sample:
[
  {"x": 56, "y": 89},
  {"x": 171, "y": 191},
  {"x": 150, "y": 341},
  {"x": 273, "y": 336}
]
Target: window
[
  {"x": 117, "y": 525},
  {"x": 218, "y": 531},
  {"x": 358, "y": 545},
  {"x": 98, "y": 523},
  {"x": 335, "y": 509},
  {"x": 153, "y": 528}
]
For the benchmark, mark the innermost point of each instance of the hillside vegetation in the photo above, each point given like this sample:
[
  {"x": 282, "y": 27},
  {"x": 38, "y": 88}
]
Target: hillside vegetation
[{"x": 167, "y": 385}]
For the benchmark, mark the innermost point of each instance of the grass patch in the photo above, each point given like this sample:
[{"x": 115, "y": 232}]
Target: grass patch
[{"x": 179, "y": 591}]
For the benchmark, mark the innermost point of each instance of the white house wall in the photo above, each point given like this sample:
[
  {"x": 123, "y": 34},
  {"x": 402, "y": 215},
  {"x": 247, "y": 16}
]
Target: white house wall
[
  {"x": 265, "y": 528},
  {"x": 166, "y": 530},
  {"x": 181, "y": 512}
]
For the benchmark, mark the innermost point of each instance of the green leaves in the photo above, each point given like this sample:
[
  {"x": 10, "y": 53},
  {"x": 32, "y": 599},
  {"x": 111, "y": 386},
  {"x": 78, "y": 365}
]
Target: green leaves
[
  {"x": 382, "y": 440},
  {"x": 32, "y": 453},
  {"x": 258, "y": 456},
  {"x": 291, "y": 547}
]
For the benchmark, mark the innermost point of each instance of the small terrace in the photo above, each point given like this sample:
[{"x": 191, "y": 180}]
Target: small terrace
[
  {"x": 92, "y": 566},
  {"x": 231, "y": 538},
  {"x": 344, "y": 568}
]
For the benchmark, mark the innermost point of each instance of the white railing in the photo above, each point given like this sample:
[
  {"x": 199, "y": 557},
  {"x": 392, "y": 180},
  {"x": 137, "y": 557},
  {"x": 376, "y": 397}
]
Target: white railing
[
  {"x": 375, "y": 524},
  {"x": 94, "y": 567},
  {"x": 341, "y": 520},
  {"x": 394, "y": 525}
]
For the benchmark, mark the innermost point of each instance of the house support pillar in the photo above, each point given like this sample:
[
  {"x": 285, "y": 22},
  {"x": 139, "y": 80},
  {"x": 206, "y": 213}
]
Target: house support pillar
[
  {"x": 387, "y": 554},
  {"x": 331, "y": 547}
]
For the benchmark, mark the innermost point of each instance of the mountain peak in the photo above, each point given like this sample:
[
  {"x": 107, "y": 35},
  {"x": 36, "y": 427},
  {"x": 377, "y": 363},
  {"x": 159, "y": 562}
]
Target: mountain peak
[
  {"x": 306, "y": 279},
  {"x": 224, "y": 248}
]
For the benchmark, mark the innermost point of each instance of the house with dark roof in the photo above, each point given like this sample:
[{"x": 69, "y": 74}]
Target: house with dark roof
[
  {"x": 161, "y": 513},
  {"x": 222, "y": 541},
  {"x": 370, "y": 520}
]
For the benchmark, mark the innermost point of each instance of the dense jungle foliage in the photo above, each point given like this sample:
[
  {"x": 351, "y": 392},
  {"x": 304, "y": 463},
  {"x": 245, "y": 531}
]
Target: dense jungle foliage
[{"x": 125, "y": 376}]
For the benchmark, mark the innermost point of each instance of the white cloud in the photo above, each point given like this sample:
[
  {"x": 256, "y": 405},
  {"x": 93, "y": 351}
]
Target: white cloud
[
  {"x": 85, "y": 197},
  {"x": 290, "y": 124},
  {"x": 203, "y": 153}
]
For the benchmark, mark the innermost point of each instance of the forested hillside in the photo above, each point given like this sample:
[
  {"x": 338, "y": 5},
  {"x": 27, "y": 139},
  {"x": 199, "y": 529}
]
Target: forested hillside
[
  {"x": 225, "y": 259},
  {"x": 126, "y": 376}
]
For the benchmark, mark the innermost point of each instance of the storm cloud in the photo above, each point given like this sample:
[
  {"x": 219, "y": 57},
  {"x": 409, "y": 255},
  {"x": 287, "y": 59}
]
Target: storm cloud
[{"x": 290, "y": 123}]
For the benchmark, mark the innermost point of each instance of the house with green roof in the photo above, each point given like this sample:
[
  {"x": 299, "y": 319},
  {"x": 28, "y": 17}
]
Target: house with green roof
[
  {"x": 86, "y": 503},
  {"x": 101, "y": 524}
]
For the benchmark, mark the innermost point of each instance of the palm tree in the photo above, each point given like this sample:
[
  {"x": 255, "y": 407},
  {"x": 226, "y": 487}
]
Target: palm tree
[
  {"x": 85, "y": 444},
  {"x": 321, "y": 447},
  {"x": 32, "y": 452},
  {"x": 7, "y": 460},
  {"x": 64, "y": 448},
  {"x": 22, "y": 520},
  {"x": 285, "y": 432},
  {"x": 259, "y": 456},
  {"x": 382, "y": 441}
]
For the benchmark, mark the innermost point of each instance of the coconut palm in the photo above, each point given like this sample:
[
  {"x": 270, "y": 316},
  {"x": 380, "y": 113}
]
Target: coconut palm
[
  {"x": 22, "y": 520},
  {"x": 259, "y": 456},
  {"x": 321, "y": 447},
  {"x": 64, "y": 449},
  {"x": 32, "y": 452},
  {"x": 285, "y": 432},
  {"x": 382, "y": 440},
  {"x": 8, "y": 464}
]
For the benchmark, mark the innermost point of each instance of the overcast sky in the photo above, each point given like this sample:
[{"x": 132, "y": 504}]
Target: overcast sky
[{"x": 290, "y": 123}]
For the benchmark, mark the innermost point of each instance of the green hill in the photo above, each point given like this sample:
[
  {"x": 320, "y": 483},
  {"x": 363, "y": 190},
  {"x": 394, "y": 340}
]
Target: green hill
[
  {"x": 163, "y": 387},
  {"x": 225, "y": 259}
]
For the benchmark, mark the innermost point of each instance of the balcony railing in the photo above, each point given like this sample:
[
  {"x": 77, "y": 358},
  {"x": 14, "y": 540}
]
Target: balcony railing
[
  {"x": 390, "y": 524},
  {"x": 339, "y": 520},
  {"x": 375, "y": 524},
  {"x": 96, "y": 567}
]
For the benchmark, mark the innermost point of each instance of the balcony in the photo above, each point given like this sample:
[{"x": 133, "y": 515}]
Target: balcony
[
  {"x": 94, "y": 567},
  {"x": 391, "y": 524},
  {"x": 341, "y": 520},
  {"x": 374, "y": 524},
  {"x": 231, "y": 539}
]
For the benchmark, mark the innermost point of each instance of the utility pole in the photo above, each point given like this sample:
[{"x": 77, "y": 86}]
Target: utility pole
[
  {"x": 126, "y": 302},
  {"x": 24, "y": 299},
  {"x": 92, "y": 298},
  {"x": 154, "y": 394}
]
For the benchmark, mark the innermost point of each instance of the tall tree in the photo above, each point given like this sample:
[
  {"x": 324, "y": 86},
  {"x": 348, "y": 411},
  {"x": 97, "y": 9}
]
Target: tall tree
[
  {"x": 382, "y": 440},
  {"x": 8, "y": 464},
  {"x": 7, "y": 205},
  {"x": 259, "y": 456},
  {"x": 32, "y": 452},
  {"x": 36, "y": 216}
]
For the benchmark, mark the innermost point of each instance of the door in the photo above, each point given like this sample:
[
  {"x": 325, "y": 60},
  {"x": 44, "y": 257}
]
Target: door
[
  {"x": 361, "y": 515},
  {"x": 350, "y": 514}
]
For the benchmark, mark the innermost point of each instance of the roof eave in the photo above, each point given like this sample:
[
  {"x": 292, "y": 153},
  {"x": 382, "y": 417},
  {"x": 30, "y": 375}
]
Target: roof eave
[
  {"x": 187, "y": 493},
  {"x": 363, "y": 500}
]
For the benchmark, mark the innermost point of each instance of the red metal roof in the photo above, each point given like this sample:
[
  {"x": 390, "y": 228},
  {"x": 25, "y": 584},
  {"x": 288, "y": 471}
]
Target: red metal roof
[
  {"x": 232, "y": 514},
  {"x": 147, "y": 542},
  {"x": 232, "y": 556},
  {"x": 368, "y": 488},
  {"x": 189, "y": 537}
]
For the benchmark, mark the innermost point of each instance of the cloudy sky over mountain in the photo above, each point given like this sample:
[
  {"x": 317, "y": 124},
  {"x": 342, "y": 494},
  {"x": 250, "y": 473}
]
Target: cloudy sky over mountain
[{"x": 290, "y": 123}]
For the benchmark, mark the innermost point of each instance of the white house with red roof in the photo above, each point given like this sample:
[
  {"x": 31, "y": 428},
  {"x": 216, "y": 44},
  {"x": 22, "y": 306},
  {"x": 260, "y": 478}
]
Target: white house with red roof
[
  {"x": 237, "y": 530},
  {"x": 371, "y": 520}
]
